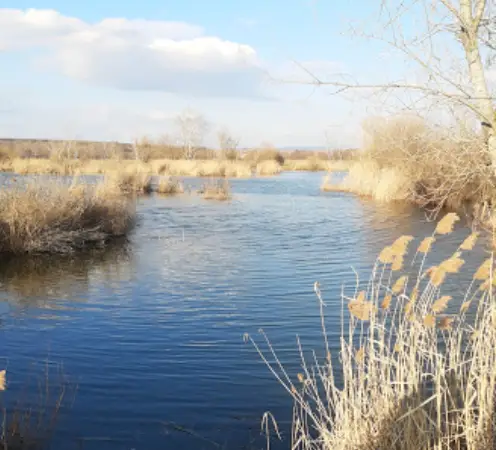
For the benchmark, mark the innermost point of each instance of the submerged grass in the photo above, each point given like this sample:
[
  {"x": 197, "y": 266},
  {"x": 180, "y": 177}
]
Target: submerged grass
[
  {"x": 30, "y": 421},
  {"x": 56, "y": 217},
  {"x": 412, "y": 374}
]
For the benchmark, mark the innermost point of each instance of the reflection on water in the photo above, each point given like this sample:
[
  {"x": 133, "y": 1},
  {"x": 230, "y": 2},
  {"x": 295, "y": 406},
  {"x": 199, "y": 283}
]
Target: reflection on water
[
  {"x": 155, "y": 335},
  {"x": 41, "y": 280}
]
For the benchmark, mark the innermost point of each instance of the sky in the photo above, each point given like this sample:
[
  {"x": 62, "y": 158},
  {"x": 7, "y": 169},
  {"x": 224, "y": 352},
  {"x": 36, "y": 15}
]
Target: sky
[{"x": 120, "y": 70}]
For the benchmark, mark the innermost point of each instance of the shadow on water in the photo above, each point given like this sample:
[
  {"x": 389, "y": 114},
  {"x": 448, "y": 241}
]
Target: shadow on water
[{"x": 35, "y": 280}]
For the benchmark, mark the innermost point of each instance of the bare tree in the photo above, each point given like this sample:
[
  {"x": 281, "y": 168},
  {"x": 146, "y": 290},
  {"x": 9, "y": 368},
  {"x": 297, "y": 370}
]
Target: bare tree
[
  {"x": 142, "y": 149},
  {"x": 228, "y": 144},
  {"x": 193, "y": 128},
  {"x": 62, "y": 150},
  {"x": 452, "y": 44}
]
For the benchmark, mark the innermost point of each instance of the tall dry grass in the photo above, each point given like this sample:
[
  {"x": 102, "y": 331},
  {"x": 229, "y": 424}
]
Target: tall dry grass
[
  {"x": 130, "y": 182},
  {"x": 433, "y": 167},
  {"x": 268, "y": 168},
  {"x": 198, "y": 168},
  {"x": 30, "y": 421},
  {"x": 367, "y": 178},
  {"x": 411, "y": 375},
  {"x": 54, "y": 217},
  {"x": 311, "y": 164},
  {"x": 169, "y": 186},
  {"x": 216, "y": 190}
]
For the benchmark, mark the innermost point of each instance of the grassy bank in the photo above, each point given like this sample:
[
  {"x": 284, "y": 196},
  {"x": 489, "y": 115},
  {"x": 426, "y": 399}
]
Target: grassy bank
[
  {"x": 53, "y": 217},
  {"x": 405, "y": 159},
  {"x": 169, "y": 167},
  {"x": 415, "y": 367}
]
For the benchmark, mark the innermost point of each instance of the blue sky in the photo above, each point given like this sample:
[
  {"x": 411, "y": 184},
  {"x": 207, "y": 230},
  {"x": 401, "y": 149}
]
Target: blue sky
[{"x": 123, "y": 69}]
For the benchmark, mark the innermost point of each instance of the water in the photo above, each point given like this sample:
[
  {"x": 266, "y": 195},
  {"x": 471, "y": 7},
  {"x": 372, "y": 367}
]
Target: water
[{"x": 151, "y": 332}]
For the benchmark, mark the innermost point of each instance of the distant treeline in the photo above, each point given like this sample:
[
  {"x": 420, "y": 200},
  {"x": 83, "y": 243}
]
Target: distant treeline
[{"x": 147, "y": 150}]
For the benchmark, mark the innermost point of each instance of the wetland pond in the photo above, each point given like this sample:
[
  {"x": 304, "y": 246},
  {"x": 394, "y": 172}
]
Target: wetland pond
[{"x": 150, "y": 332}]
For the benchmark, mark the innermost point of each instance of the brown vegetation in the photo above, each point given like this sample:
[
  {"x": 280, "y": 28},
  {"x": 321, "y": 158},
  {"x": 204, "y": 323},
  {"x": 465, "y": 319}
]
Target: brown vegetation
[
  {"x": 414, "y": 369},
  {"x": 131, "y": 182},
  {"x": 158, "y": 158},
  {"x": 404, "y": 159},
  {"x": 216, "y": 190},
  {"x": 268, "y": 168},
  {"x": 53, "y": 217},
  {"x": 169, "y": 186}
]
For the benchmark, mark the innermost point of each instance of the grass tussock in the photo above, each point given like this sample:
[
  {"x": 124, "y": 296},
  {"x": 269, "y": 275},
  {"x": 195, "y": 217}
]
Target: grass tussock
[
  {"x": 54, "y": 217},
  {"x": 432, "y": 167},
  {"x": 366, "y": 178},
  {"x": 132, "y": 182},
  {"x": 268, "y": 168},
  {"x": 169, "y": 186},
  {"x": 216, "y": 190},
  {"x": 415, "y": 368}
]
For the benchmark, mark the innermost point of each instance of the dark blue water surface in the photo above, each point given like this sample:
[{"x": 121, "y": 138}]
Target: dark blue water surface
[{"x": 151, "y": 332}]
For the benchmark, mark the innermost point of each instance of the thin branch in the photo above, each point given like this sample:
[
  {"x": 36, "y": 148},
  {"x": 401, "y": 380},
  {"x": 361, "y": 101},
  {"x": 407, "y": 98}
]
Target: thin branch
[{"x": 479, "y": 13}]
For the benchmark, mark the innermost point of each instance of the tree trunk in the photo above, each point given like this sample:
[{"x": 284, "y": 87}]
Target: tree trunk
[{"x": 469, "y": 34}]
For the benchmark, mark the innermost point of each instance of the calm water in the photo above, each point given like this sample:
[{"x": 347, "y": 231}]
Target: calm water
[{"x": 151, "y": 332}]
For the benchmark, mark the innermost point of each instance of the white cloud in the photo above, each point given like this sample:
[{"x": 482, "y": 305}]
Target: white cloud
[{"x": 135, "y": 54}]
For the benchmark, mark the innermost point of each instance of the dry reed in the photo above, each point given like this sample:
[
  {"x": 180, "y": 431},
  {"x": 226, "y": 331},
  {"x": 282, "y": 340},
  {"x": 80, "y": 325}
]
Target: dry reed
[
  {"x": 169, "y": 186},
  {"x": 216, "y": 190},
  {"x": 410, "y": 376},
  {"x": 54, "y": 217},
  {"x": 268, "y": 168},
  {"x": 131, "y": 182},
  {"x": 405, "y": 159}
]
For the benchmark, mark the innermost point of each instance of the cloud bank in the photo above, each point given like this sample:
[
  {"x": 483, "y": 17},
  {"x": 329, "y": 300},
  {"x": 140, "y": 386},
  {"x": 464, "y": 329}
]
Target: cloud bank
[{"x": 174, "y": 57}]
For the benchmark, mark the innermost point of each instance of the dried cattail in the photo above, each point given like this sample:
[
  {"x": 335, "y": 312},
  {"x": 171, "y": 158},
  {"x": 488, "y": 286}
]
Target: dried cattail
[
  {"x": 360, "y": 355},
  {"x": 484, "y": 270},
  {"x": 409, "y": 307},
  {"x": 301, "y": 378},
  {"x": 397, "y": 263},
  {"x": 3, "y": 374},
  {"x": 429, "y": 321},
  {"x": 469, "y": 242},
  {"x": 464, "y": 308},
  {"x": 400, "y": 245},
  {"x": 445, "y": 323},
  {"x": 386, "y": 302},
  {"x": 360, "y": 296},
  {"x": 484, "y": 286},
  {"x": 441, "y": 304},
  {"x": 414, "y": 294},
  {"x": 451, "y": 265},
  {"x": 426, "y": 244},
  {"x": 386, "y": 256},
  {"x": 446, "y": 224},
  {"x": 438, "y": 276},
  {"x": 430, "y": 270},
  {"x": 360, "y": 309},
  {"x": 399, "y": 285}
]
